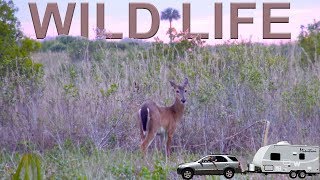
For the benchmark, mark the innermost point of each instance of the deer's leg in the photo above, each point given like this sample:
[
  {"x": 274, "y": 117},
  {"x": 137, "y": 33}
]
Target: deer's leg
[
  {"x": 147, "y": 141},
  {"x": 163, "y": 142},
  {"x": 169, "y": 144},
  {"x": 155, "y": 140}
]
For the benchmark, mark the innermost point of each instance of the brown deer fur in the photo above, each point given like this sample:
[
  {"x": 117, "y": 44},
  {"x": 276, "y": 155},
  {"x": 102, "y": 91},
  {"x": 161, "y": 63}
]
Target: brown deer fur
[{"x": 154, "y": 119}]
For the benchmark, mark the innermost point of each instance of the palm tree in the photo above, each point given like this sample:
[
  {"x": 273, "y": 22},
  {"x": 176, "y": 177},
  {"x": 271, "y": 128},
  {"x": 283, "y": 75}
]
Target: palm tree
[{"x": 170, "y": 14}]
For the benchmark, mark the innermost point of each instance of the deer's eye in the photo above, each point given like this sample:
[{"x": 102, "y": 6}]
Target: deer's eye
[
  {"x": 185, "y": 90},
  {"x": 177, "y": 91}
]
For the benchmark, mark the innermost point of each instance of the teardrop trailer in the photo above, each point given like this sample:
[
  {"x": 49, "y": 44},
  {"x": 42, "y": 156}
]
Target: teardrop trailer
[
  {"x": 284, "y": 158},
  {"x": 281, "y": 158}
]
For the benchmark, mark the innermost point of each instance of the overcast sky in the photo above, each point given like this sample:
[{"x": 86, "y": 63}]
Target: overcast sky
[{"x": 202, "y": 17}]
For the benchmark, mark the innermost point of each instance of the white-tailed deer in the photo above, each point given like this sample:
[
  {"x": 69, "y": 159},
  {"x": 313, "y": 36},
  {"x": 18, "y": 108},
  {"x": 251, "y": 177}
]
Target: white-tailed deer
[{"x": 154, "y": 119}]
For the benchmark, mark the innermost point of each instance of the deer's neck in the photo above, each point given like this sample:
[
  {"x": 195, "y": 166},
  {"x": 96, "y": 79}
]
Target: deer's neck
[{"x": 177, "y": 108}]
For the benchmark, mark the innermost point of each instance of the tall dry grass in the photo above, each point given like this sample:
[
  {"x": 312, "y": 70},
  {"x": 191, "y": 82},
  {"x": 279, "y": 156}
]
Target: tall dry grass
[{"x": 90, "y": 103}]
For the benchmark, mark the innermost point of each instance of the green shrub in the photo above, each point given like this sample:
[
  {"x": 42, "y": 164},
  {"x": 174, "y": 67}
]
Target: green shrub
[
  {"x": 145, "y": 173},
  {"x": 159, "y": 172},
  {"x": 303, "y": 98},
  {"x": 15, "y": 49},
  {"x": 309, "y": 40},
  {"x": 46, "y": 45},
  {"x": 58, "y": 47},
  {"x": 71, "y": 90},
  {"x": 29, "y": 168},
  {"x": 66, "y": 40},
  {"x": 79, "y": 49},
  {"x": 112, "y": 89}
]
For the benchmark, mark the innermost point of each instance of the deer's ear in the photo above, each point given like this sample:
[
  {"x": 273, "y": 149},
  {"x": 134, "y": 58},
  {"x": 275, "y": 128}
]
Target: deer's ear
[
  {"x": 173, "y": 84},
  {"x": 186, "y": 82}
]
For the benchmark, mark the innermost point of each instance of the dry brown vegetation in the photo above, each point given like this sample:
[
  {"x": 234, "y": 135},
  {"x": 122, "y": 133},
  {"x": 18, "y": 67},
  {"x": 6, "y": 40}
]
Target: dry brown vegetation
[{"x": 82, "y": 105}]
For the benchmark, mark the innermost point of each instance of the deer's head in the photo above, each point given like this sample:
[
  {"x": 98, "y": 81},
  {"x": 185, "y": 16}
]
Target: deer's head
[{"x": 180, "y": 90}]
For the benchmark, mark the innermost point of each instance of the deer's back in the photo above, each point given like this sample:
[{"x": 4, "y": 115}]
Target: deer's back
[{"x": 160, "y": 116}]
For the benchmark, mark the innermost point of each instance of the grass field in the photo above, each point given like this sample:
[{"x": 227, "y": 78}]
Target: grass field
[{"x": 77, "y": 117}]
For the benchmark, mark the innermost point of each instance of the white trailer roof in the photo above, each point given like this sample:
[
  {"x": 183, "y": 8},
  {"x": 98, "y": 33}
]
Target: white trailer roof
[{"x": 257, "y": 159}]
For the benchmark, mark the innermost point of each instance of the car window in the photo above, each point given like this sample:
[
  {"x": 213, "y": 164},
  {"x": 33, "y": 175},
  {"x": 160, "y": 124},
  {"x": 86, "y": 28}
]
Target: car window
[
  {"x": 205, "y": 159},
  {"x": 233, "y": 158},
  {"x": 221, "y": 159},
  {"x": 208, "y": 159}
]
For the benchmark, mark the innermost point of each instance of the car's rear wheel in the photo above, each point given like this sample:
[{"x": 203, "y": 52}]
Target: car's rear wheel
[
  {"x": 228, "y": 173},
  {"x": 187, "y": 173},
  {"x": 293, "y": 174}
]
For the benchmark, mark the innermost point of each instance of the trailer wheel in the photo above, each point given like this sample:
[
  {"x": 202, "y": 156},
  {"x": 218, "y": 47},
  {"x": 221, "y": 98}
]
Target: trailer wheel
[
  {"x": 302, "y": 174},
  {"x": 293, "y": 174},
  {"x": 228, "y": 173}
]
